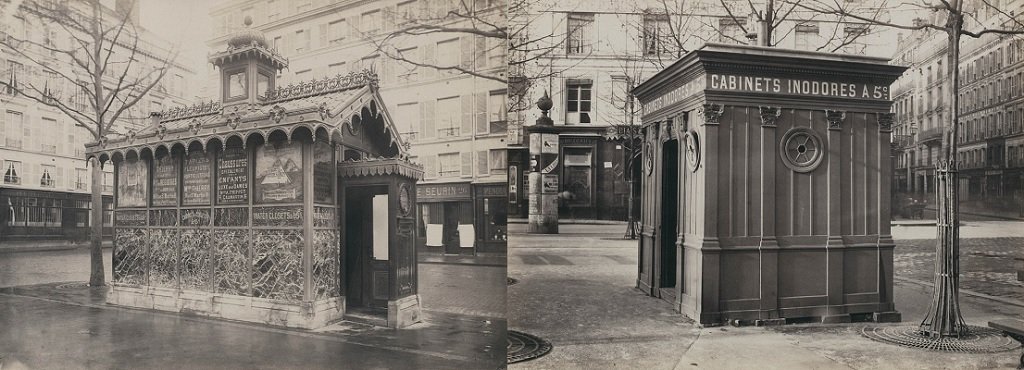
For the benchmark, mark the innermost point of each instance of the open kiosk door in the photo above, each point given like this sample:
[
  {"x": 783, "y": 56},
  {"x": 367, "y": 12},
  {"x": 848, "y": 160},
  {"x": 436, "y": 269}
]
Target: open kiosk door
[{"x": 379, "y": 228}]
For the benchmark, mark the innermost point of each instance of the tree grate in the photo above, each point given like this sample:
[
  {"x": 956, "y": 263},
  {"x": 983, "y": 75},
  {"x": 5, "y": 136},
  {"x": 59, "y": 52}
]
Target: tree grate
[
  {"x": 978, "y": 340},
  {"x": 523, "y": 347}
]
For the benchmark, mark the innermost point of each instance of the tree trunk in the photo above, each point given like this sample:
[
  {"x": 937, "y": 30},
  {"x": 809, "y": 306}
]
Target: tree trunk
[
  {"x": 96, "y": 277},
  {"x": 943, "y": 318}
]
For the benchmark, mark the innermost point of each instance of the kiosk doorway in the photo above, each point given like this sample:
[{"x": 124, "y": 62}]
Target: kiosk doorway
[
  {"x": 366, "y": 250},
  {"x": 669, "y": 220}
]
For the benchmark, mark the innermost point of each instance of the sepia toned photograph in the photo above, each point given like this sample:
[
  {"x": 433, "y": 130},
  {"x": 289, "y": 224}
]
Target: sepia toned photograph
[{"x": 525, "y": 184}]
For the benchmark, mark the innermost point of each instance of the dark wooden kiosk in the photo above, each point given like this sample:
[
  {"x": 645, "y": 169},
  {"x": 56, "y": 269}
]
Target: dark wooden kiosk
[
  {"x": 766, "y": 186},
  {"x": 289, "y": 206}
]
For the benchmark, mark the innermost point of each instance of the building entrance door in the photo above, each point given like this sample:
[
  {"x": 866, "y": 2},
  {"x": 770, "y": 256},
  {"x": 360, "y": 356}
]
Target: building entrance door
[
  {"x": 450, "y": 228},
  {"x": 669, "y": 220},
  {"x": 366, "y": 250}
]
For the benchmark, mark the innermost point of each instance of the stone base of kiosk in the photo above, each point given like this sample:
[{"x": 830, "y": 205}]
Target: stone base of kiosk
[
  {"x": 403, "y": 312},
  {"x": 794, "y": 299},
  {"x": 304, "y": 315}
]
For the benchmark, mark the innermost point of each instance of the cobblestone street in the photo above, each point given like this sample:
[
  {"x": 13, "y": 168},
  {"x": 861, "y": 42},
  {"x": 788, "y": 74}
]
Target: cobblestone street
[{"x": 986, "y": 264}]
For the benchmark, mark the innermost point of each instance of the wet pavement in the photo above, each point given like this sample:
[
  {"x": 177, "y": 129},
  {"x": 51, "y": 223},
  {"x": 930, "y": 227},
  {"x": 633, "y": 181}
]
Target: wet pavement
[
  {"x": 58, "y": 325},
  {"x": 577, "y": 290}
]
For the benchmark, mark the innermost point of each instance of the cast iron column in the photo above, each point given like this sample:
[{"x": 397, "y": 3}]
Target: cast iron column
[{"x": 543, "y": 192}]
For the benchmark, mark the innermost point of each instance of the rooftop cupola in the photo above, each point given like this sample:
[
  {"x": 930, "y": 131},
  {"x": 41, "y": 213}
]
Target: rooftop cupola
[{"x": 248, "y": 68}]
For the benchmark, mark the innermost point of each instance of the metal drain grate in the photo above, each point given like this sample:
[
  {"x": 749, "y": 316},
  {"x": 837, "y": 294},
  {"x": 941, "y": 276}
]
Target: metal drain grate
[
  {"x": 512, "y": 281},
  {"x": 522, "y": 347},
  {"x": 979, "y": 340}
]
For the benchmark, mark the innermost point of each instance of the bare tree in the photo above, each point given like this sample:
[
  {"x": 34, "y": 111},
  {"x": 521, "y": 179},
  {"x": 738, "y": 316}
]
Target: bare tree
[
  {"x": 943, "y": 318},
  {"x": 101, "y": 70}
]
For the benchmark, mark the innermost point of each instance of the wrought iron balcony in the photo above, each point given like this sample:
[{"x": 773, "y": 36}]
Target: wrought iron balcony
[
  {"x": 929, "y": 134},
  {"x": 900, "y": 142}
]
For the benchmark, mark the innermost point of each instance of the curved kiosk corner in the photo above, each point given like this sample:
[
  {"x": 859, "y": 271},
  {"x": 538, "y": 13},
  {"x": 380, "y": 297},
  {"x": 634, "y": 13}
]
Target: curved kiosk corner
[
  {"x": 288, "y": 206},
  {"x": 766, "y": 186}
]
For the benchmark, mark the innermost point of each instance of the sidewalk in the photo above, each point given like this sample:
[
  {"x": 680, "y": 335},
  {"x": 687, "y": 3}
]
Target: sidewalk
[
  {"x": 577, "y": 290},
  {"x": 52, "y": 326},
  {"x": 448, "y": 259}
]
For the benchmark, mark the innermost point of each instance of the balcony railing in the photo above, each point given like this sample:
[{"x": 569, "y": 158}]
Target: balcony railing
[
  {"x": 448, "y": 132},
  {"x": 900, "y": 142},
  {"x": 929, "y": 134}
]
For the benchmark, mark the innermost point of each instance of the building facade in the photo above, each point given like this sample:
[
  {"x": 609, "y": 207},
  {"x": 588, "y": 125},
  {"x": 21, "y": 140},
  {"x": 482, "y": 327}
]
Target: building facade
[
  {"x": 991, "y": 115},
  {"x": 592, "y": 54},
  {"x": 453, "y": 120},
  {"x": 46, "y": 180}
]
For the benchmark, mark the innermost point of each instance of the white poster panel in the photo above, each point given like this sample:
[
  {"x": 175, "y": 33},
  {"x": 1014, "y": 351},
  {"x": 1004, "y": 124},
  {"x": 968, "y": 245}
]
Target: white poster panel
[{"x": 380, "y": 227}]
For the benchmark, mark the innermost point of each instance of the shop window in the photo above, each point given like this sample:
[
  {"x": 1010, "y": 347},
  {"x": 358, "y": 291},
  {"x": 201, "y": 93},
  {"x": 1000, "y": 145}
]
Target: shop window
[
  {"x": 578, "y": 101},
  {"x": 577, "y": 176},
  {"x": 495, "y": 219},
  {"x": 12, "y": 171},
  {"x": 579, "y": 33}
]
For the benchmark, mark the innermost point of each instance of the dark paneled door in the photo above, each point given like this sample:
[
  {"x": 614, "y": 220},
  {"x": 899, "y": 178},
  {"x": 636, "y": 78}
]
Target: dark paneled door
[
  {"x": 366, "y": 278},
  {"x": 669, "y": 219}
]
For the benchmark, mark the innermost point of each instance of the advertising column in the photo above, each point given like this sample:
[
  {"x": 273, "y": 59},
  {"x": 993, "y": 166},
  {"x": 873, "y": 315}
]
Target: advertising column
[{"x": 543, "y": 178}]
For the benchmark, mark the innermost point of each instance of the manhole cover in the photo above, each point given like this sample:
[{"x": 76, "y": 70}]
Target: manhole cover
[
  {"x": 979, "y": 340},
  {"x": 74, "y": 285},
  {"x": 512, "y": 281},
  {"x": 522, "y": 347}
]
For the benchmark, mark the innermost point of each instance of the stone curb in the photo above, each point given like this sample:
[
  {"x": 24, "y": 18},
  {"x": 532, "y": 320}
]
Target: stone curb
[
  {"x": 47, "y": 247},
  {"x": 572, "y": 221}
]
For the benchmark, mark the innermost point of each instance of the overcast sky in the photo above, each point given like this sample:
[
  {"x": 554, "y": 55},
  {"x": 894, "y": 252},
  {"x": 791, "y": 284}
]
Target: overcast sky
[{"x": 184, "y": 23}]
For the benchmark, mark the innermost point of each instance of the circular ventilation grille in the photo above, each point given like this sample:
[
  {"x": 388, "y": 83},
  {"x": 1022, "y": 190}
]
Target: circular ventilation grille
[{"x": 802, "y": 149}]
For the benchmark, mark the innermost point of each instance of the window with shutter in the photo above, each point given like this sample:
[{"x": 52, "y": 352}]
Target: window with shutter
[
  {"x": 467, "y": 164},
  {"x": 497, "y": 161},
  {"x": 447, "y": 116},
  {"x": 467, "y": 115},
  {"x": 324, "y": 35},
  {"x": 481, "y": 113},
  {"x": 468, "y": 53},
  {"x": 428, "y": 59},
  {"x": 427, "y": 119},
  {"x": 481, "y": 52},
  {"x": 3, "y": 128},
  {"x": 481, "y": 162},
  {"x": 430, "y": 166}
]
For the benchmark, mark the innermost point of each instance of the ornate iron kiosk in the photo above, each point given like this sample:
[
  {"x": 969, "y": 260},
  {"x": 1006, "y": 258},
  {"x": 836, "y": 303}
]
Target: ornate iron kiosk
[
  {"x": 766, "y": 186},
  {"x": 288, "y": 206}
]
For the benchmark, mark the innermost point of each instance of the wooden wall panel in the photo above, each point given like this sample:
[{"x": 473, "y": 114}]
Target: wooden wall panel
[
  {"x": 802, "y": 273},
  {"x": 740, "y": 275}
]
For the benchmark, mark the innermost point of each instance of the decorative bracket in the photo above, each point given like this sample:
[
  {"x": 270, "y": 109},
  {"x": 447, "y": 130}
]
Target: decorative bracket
[
  {"x": 277, "y": 113},
  {"x": 769, "y": 115},
  {"x": 835, "y": 119},
  {"x": 885, "y": 121},
  {"x": 712, "y": 113}
]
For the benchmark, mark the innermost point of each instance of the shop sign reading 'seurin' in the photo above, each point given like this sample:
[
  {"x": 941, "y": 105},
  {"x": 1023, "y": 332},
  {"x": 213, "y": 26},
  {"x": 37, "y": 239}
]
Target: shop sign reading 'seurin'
[{"x": 767, "y": 85}]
